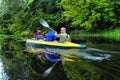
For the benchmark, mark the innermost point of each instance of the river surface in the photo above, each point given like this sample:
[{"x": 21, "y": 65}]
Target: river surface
[{"x": 100, "y": 61}]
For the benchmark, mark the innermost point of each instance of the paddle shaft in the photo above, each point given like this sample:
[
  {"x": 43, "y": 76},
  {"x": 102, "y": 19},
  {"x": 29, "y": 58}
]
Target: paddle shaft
[
  {"x": 51, "y": 28},
  {"x": 54, "y": 64}
]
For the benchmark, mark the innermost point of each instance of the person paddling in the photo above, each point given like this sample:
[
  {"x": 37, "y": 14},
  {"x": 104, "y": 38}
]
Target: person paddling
[{"x": 64, "y": 37}]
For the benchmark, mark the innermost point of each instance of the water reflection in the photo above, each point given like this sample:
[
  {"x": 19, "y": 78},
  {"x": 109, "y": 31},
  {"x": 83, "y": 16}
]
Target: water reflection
[
  {"x": 86, "y": 54},
  {"x": 3, "y": 75},
  {"x": 98, "y": 62},
  {"x": 22, "y": 65},
  {"x": 90, "y": 62}
]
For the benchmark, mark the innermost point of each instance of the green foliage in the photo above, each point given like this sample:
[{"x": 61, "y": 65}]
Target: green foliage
[
  {"x": 89, "y": 14},
  {"x": 9, "y": 10},
  {"x": 22, "y": 16},
  {"x": 117, "y": 10},
  {"x": 29, "y": 2},
  {"x": 10, "y": 7},
  {"x": 25, "y": 19},
  {"x": 111, "y": 34}
]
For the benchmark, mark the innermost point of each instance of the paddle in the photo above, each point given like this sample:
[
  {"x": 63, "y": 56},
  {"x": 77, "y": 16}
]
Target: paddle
[
  {"x": 45, "y": 24},
  {"x": 47, "y": 72}
]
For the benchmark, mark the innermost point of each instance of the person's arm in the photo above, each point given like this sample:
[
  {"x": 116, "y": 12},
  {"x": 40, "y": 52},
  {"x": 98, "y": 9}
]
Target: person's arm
[{"x": 57, "y": 35}]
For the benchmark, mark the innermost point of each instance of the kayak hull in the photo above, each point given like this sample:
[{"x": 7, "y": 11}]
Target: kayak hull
[{"x": 37, "y": 43}]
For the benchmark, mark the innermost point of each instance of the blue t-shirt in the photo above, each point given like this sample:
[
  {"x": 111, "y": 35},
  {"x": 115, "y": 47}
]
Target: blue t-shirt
[{"x": 51, "y": 36}]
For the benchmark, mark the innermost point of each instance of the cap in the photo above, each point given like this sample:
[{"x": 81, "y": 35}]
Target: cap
[{"x": 39, "y": 31}]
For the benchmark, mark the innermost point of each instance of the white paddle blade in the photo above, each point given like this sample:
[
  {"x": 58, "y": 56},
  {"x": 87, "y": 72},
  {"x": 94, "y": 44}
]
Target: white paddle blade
[
  {"x": 47, "y": 72},
  {"x": 44, "y": 23}
]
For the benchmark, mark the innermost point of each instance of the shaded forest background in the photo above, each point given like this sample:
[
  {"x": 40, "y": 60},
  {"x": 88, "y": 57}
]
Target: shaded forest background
[{"x": 21, "y": 17}]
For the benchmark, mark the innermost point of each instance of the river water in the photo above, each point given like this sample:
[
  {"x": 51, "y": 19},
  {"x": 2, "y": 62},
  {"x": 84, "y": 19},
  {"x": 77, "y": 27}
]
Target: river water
[{"x": 100, "y": 61}]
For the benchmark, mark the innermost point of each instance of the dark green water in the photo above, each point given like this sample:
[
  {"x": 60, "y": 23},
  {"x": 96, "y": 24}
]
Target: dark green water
[{"x": 100, "y": 61}]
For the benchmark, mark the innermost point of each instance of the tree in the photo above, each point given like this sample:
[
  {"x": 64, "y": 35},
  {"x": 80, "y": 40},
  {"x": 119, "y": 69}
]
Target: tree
[
  {"x": 89, "y": 14},
  {"x": 8, "y": 9},
  {"x": 25, "y": 19}
]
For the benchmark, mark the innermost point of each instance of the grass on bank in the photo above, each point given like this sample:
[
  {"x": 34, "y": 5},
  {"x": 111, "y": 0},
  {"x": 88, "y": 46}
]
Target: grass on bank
[{"x": 113, "y": 34}]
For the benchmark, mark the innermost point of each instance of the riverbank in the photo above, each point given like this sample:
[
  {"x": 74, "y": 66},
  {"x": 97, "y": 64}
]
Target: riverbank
[
  {"x": 4, "y": 36},
  {"x": 113, "y": 34}
]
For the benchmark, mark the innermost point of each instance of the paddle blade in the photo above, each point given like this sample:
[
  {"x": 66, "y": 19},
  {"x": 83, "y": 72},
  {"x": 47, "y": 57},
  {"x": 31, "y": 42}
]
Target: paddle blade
[
  {"x": 44, "y": 23},
  {"x": 47, "y": 72}
]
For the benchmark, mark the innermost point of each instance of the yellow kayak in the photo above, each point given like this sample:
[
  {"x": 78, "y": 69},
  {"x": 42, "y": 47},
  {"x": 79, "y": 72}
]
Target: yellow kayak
[{"x": 54, "y": 44}]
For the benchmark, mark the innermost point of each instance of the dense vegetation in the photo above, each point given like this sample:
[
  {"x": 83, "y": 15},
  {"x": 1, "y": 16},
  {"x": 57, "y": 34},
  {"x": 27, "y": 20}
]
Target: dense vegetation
[
  {"x": 95, "y": 14},
  {"x": 22, "y": 16},
  {"x": 83, "y": 17}
]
